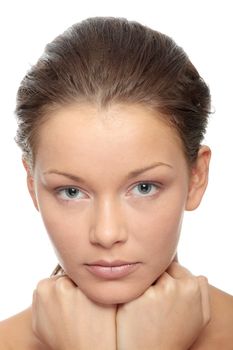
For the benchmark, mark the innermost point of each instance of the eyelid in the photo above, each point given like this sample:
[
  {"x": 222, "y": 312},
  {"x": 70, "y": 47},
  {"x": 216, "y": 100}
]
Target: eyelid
[
  {"x": 157, "y": 184},
  {"x": 60, "y": 188},
  {"x": 58, "y": 191}
]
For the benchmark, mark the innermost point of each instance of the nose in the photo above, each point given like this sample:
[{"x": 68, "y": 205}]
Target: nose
[{"x": 108, "y": 228}]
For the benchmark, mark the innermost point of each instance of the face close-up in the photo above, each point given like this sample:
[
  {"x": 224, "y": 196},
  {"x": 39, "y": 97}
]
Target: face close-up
[{"x": 114, "y": 230}]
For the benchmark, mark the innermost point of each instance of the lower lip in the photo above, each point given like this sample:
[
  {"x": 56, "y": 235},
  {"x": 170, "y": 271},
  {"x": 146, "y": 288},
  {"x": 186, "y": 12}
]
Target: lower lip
[{"x": 112, "y": 272}]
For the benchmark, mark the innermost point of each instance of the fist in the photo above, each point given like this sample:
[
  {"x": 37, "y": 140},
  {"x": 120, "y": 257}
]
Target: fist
[
  {"x": 63, "y": 318},
  {"x": 169, "y": 315}
]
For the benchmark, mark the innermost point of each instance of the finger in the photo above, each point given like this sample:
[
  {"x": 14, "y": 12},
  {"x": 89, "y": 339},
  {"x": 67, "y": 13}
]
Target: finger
[
  {"x": 56, "y": 277},
  {"x": 64, "y": 282},
  {"x": 177, "y": 271},
  {"x": 163, "y": 280},
  {"x": 34, "y": 298},
  {"x": 205, "y": 298},
  {"x": 60, "y": 273}
]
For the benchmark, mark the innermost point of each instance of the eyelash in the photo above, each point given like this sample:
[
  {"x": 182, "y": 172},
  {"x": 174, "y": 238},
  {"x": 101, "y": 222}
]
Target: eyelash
[{"x": 61, "y": 190}]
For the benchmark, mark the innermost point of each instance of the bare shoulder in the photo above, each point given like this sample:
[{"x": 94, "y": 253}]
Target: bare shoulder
[
  {"x": 16, "y": 333},
  {"x": 218, "y": 334}
]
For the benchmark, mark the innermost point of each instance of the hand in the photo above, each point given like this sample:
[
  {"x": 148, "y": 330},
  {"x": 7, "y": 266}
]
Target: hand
[
  {"x": 168, "y": 316},
  {"x": 63, "y": 318}
]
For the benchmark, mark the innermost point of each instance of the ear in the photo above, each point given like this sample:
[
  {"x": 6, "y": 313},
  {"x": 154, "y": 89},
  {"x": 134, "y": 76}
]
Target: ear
[
  {"x": 30, "y": 183},
  {"x": 198, "y": 178}
]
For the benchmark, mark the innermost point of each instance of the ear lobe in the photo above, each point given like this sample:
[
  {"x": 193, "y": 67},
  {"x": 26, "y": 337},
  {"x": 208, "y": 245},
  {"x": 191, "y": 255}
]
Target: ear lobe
[
  {"x": 30, "y": 183},
  {"x": 198, "y": 178}
]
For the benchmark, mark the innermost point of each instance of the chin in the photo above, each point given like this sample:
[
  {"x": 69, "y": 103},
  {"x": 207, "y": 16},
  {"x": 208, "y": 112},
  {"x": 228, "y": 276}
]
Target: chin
[
  {"x": 111, "y": 300},
  {"x": 110, "y": 295}
]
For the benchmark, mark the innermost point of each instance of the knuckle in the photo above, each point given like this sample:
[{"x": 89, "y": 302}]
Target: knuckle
[
  {"x": 63, "y": 284},
  {"x": 191, "y": 286},
  {"x": 42, "y": 286},
  {"x": 202, "y": 279},
  {"x": 149, "y": 293},
  {"x": 167, "y": 288},
  {"x": 166, "y": 282}
]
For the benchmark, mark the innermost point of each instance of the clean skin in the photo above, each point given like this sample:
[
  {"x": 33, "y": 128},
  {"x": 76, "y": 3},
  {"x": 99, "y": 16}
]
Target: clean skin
[{"x": 97, "y": 202}]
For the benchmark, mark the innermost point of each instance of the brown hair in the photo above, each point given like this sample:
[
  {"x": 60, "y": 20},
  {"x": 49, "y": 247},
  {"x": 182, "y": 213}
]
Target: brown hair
[{"x": 105, "y": 60}]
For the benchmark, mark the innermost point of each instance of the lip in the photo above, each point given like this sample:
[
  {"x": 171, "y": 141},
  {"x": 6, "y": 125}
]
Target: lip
[
  {"x": 111, "y": 263},
  {"x": 112, "y": 269}
]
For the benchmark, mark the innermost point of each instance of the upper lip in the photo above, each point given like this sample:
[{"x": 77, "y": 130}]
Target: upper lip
[{"x": 111, "y": 263}]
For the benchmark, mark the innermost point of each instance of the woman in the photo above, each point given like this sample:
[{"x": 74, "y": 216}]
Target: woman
[{"x": 111, "y": 120}]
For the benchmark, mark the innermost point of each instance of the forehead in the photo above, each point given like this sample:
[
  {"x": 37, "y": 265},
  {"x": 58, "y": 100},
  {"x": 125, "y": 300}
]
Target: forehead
[{"x": 121, "y": 133}]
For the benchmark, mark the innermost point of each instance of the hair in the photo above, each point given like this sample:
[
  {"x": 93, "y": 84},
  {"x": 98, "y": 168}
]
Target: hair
[{"x": 107, "y": 60}]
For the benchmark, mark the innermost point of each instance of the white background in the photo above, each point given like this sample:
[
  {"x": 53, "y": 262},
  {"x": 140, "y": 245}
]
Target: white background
[{"x": 204, "y": 29}]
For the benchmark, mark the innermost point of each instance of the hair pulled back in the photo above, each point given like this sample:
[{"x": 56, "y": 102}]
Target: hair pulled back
[{"x": 106, "y": 60}]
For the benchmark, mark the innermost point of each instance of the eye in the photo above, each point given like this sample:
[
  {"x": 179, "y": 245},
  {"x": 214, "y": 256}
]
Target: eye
[
  {"x": 69, "y": 193},
  {"x": 146, "y": 188}
]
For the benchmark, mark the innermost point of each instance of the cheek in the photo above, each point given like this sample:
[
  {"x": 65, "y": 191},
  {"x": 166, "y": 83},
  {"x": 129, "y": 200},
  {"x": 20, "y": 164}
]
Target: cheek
[
  {"x": 66, "y": 240},
  {"x": 64, "y": 230},
  {"x": 158, "y": 226},
  {"x": 60, "y": 237}
]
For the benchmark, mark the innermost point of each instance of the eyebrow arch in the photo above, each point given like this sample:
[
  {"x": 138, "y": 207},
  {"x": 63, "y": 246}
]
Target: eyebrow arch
[
  {"x": 130, "y": 175},
  {"x": 137, "y": 172}
]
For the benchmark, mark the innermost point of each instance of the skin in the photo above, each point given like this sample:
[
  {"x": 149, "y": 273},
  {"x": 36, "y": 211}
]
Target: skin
[
  {"x": 68, "y": 320},
  {"x": 112, "y": 219}
]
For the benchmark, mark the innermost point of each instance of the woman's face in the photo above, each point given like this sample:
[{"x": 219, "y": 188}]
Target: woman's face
[{"x": 111, "y": 187}]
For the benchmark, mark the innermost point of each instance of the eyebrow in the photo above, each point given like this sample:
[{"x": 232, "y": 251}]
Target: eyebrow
[{"x": 129, "y": 176}]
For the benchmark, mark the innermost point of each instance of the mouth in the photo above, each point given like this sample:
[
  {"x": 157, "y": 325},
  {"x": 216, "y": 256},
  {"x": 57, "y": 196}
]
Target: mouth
[{"x": 111, "y": 270}]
